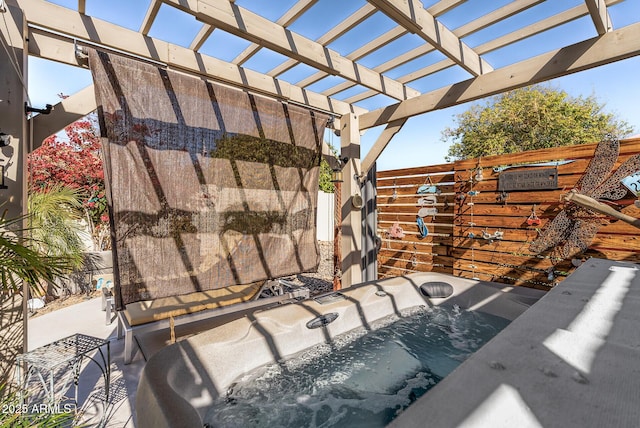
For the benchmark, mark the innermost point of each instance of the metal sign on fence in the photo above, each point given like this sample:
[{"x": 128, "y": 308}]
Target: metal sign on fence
[{"x": 532, "y": 179}]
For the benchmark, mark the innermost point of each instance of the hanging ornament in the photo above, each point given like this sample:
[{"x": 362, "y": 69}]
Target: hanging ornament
[
  {"x": 533, "y": 219},
  {"x": 479, "y": 176}
]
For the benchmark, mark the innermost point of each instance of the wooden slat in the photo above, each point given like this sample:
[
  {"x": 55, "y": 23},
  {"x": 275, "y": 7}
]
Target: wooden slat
[
  {"x": 613, "y": 254},
  {"x": 431, "y": 169},
  {"x": 406, "y": 260},
  {"x": 489, "y": 277},
  {"x": 150, "y": 16},
  {"x": 199, "y": 39},
  {"x": 502, "y": 258},
  {"x": 388, "y": 271},
  {"x": 399, "y": 247},
  {"x": 516, "y": 247},
  {"x": 607, "y": 226},
  {"x": 582, "y": 151},
  {"x": 501, "y": 271}
]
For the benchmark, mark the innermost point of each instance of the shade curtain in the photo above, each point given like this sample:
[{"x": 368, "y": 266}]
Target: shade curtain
[{"x": 208, "y": 186}]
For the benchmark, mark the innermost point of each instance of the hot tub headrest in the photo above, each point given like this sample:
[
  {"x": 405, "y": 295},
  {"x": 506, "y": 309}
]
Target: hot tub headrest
[{"x": 436, "y": 289}]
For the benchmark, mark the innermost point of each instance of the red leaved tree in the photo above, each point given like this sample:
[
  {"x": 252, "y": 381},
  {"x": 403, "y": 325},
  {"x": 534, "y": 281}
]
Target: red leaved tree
[{"x": 72, "y": 158}]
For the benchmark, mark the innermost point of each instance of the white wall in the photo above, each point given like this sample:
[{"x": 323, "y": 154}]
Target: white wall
[{"x": 326, "y": 216}]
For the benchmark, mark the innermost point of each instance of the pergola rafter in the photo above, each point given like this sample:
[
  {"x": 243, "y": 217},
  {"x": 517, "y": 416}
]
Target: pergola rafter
[
  {"x": 599, "y": 15},
  {"x": 497, "y": 43},
  {"x": 60, "y": 48},
  {"x": 250, "y": 26},
  {"x": 152, "y": 12},
  {"x": 411, "y": 15},
  {"x": 204, "y": 33},
  {"x": 339, "y": 30},
  {"x": 287, "y": 19},
  {"x": 470, "y": 28},
  {"x": 613, "y": 46}
]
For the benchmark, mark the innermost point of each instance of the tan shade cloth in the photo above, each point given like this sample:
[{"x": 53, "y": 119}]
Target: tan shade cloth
[{"x": 208, "y": 186}]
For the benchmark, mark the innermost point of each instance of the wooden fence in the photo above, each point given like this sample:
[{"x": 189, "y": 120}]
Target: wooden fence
[{"x": 455, "y": 243}]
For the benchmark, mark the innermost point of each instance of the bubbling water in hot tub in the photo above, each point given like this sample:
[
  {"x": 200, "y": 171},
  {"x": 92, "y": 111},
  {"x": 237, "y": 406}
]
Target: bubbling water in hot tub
[{"x": 362, "y": 378}]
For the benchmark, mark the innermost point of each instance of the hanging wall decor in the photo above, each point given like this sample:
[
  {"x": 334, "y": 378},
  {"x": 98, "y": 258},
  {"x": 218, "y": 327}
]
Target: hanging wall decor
[{"x": 572, "y": 230}]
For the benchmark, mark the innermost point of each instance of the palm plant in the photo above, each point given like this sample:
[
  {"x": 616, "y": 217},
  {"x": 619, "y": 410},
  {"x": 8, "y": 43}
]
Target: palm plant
[
  {"x": 37, "y": 255},
  {"x": 54, "y": 212},
  {"x": 22, "y": 261}
]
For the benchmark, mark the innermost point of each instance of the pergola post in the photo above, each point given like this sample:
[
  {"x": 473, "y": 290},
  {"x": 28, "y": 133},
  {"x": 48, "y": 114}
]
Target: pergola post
[
  {"x": 351, "y": 216},
  {"x": 13, "y": 153}
]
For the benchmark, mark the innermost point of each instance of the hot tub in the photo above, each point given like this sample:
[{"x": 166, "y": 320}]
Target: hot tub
[{"x": 180, "y": 382}]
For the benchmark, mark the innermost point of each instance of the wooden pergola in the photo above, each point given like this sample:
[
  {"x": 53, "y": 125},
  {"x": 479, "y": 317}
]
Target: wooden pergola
[{"x": 44, "y": 29}]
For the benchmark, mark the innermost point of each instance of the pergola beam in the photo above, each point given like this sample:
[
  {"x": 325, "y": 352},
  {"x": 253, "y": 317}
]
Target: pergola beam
[
  {"x": 414, "y": 17},
  {"x": 65, "y": 112},
  {"x": 381, "y": 143},
  {"x": 610, "y": 47},
  {"x": 204, "y": 32},
  {"x": 599, "y": 15},
  {"x": 250, "y": 26},
  {"x": 444, "y": 6},
  {"x": 353, "y": 20},
  {"x": 150, "y": 16},
  {"x": 365, "y": 50},
  {"x": 285, "y": 20},
  {"x": 507, "y": 39},
  {"x": 82, "y": 27},
  {"x": 373, "y": 45},
  {"x": 463, "y": 31}
]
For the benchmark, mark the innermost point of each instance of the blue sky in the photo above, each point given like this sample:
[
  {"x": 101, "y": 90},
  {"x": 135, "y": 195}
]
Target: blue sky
[{"x": 419, "y": 143}]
